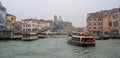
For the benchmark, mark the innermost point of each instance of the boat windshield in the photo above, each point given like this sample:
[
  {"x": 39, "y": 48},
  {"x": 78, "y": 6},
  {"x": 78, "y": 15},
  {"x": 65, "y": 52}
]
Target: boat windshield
[
  {"x": 17, "y": 33},
  {"x": 28, "y": 35},
  {"x": 85, "y": 39},
  {"x": 76, "y": 38}
]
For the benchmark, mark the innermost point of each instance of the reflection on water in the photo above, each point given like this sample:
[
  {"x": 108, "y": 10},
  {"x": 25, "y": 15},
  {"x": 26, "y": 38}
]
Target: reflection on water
[{"x": 58, "y": 48}]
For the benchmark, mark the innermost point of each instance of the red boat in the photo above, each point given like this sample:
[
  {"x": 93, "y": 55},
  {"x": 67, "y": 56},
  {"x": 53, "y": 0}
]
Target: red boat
[{"x": 81, "y": 39}]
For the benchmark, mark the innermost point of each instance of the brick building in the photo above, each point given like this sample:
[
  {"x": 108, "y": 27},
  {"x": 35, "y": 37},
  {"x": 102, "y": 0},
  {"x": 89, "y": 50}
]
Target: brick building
[
  {"x": 95, "y": 22},
  {"x": 115, "y": 28},
  {"x": 103, "y": 22}
]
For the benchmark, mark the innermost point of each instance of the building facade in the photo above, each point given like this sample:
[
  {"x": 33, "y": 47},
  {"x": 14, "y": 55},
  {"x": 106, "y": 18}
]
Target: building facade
[
  {"x": 115, "y": 28},
  {"x": 62, "y": 27},
  {"x": 95, "y": 23},
  {"x": 2, "y": 17},
  {"x": 18, "y": 26},
  {"x": 32, "y": 25},
  {"x": 67, "y": 27},
  {"x": 4, "y": 32},
  {"x": 104, "y": 23},
  {"x": 11, "y": 19}
]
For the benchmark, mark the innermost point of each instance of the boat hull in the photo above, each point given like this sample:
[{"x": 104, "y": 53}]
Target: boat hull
[
  {"x": 80, "y": 44},
  {"x": 29, "y": 39}
]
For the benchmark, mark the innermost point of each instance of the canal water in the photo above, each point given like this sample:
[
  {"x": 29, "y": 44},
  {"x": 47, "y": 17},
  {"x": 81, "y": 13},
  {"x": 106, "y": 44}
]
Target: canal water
[{"x": 58, "y": 48}]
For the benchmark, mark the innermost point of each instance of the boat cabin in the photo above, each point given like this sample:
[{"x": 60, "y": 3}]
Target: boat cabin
[
  {"x": 82, "y": 39},
  {"x": 29, "y": 36}
]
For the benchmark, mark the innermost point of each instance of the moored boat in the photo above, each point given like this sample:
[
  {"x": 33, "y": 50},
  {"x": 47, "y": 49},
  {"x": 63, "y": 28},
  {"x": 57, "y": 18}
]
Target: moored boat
[
  {"x": 29, "y": 36},
  {"x": 41, "y": 35},
  {"x": 17, "y": 36}
]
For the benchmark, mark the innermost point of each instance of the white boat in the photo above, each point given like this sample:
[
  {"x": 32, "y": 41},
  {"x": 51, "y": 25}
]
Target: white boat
[
  {"x": 41, "y": 35},
  {"x": 29, "y": 36},
  {"x": 17, "y": 35},
  {"x": 82, "y": 39}
]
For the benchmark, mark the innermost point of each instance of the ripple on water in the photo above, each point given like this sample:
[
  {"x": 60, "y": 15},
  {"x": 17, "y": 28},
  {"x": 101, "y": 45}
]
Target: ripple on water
[{"x": 58, "y": 48}]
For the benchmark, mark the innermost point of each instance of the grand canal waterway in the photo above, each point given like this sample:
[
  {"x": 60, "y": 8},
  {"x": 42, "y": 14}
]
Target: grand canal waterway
[{"x": 58, "y": 48}]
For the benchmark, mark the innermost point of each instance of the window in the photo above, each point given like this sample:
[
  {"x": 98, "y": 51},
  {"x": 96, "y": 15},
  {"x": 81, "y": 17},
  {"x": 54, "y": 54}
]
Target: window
[
  {"x": 27, "y": 25},
  {"x": 33, "y": 25},
  {"x": 23, "y": 29},
  {"x": 99, "y": 24},
  {"x": 110, "y": 23},
  {"x": 30, "y": 25},
  {"x": 32, "y": 29},
  {"x": 99, "y": 28},
  {"x": 85, "y": 39},
  {"x": 29, "y": 29},
  {"x": 89, "y": 23},
  {"x": 115, "y": 24},
  {"x": 76, "y": 39},
  {"x": 12, "y": 18},
  {"x": 94, "y": 27},
  {"x": 23, "y": 25},
  {"x": 100, "y": 19},
  {"x": 89, "y": 28},
  {"x": 89, "y": 19},
  {"x": 26, "y": 35},
  {"x": 115, "y": 16},
  {"x": 94, "y": 19},
  {"x": 94, "y": 23}
]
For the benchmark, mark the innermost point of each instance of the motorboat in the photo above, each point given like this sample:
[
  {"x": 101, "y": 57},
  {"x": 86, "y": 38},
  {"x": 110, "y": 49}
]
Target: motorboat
[
  {"x": 29, "y": 36},
  {"x": 82, "y": 39}
]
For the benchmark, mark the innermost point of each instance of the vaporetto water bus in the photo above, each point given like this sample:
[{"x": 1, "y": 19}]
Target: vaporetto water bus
[
  {"x": 82, "y": 39},
  {"x": 29, "y": 36}
]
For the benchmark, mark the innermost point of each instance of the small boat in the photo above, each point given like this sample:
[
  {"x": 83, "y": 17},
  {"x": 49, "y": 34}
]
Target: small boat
[
  {"x": 41, "y": 35},
  {"x": 17, "y": 35},
  {"x": 81, "y": 39},
  {"x": 29, "y": 36}
]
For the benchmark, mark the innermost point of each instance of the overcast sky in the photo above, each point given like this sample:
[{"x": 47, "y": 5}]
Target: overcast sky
[{"x": 74, "y": 11}]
